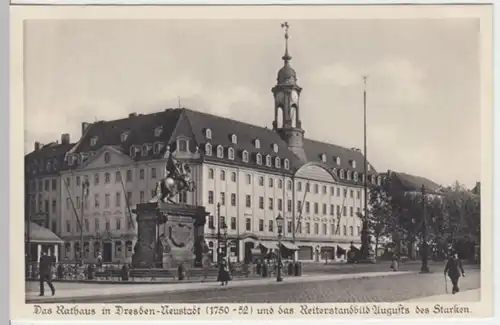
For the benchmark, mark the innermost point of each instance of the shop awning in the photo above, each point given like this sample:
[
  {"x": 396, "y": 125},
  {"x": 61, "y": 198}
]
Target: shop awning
[
  {"x": 289, "y": 245},
  {"x": 269, "y": 244},
  {"x": 39, "y": 234}
]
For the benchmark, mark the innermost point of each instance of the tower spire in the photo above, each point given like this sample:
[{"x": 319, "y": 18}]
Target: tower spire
[{"x": 287, "y": 56}]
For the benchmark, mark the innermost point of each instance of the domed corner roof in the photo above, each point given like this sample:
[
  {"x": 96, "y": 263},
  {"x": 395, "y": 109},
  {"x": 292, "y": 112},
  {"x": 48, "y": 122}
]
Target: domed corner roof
[{"x": 286, "y": 72}]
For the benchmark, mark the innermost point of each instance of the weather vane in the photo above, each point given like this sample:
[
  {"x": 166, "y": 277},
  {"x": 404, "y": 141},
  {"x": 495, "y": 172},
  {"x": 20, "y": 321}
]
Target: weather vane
[{"x": 285, "y": 26}]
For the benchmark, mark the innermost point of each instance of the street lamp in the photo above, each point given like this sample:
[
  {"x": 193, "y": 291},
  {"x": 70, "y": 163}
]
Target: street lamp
[
  {"x": 424, "y": 268},
  {"x": 218, "y": 233},
  {"x": 279, "y": 223},
  {"x": 224, "y": 240}
]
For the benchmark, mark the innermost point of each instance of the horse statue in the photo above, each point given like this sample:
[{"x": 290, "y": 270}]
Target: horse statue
[{"x": 177, "y": 180}]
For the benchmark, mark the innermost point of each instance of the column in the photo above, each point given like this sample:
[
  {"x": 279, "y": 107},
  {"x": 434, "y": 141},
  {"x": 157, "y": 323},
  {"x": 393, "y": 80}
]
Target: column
[
  {"x": 241, "y": 251},
  {"x": 296, "y": 255},
  {"x": 39, "y": 252},
  {"x": 56, "y": 252}
]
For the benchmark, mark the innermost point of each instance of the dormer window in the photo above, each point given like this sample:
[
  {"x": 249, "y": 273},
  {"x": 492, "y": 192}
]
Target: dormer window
[
  {"x": 323, "y": 158},
  {"x": 287, "y": 164},
  {"x": 368, "y": 167},
  {"x": 244, "y": 156},
  {"x": 93, "y": 141},
  {"x": 182, "y": 145},
  {"x": 208, "y": 149},
  {"x": 355, "y": 176},
  {"x": 230, "y": 153},
  {"x": 348, "y": 175},
  {"x": 71, "y": 160},
  {"x": 353, "y": 163},
  {"x": 133, "y": 151},
  {"x": 268, "y": 161},
  {"x": 258, "y": 158},
  {"x": 361, "y": 177},
  {"x": 144, "y": 151},
  {"x": 208, "y": 134},
  {"x": 157, "y": 147},
  {"x": 257, "y": 144},
  {"x": 341, "y": 174},
  {"x": 124, "y": 136},
  {"x": 334, "y": 171},
  {"x": 158, "y": 131},
  {"x": 234, "y": 139},
  {"x": 107, "y": 157},
  {"x": 275, "y": 147},
  {"x": 337, "y": 161},
  {"x": 220, "y": 152},
  {"x": 277, "y": 162},
  {"x": 78, "y": 159}
]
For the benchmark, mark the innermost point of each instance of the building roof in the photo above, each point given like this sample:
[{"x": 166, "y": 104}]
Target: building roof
[
  {"x": 39, "y": 234},
  {"x": 141, "y": 130},
  {"x": 47, "y": 160}
]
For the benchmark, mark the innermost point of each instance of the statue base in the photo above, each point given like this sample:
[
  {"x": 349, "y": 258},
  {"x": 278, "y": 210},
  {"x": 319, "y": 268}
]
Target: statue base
[{"x": 169, "y": 235}]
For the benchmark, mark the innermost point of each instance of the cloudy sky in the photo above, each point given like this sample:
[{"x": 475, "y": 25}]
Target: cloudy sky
[{"x": 423, "y": 86}]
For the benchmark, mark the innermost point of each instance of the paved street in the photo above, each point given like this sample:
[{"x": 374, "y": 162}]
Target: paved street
[{"x": 393, "y": 288}]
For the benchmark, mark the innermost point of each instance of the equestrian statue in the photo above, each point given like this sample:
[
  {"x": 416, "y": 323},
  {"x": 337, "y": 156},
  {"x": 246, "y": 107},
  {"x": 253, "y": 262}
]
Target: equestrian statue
[{"x": 177, "y": 180}]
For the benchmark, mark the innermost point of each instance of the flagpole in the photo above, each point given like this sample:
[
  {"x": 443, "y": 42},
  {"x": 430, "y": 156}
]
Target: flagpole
[{"x": 365, "y": 180}]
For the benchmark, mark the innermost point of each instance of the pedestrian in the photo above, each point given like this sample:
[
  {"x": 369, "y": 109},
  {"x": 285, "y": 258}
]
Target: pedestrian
[
  {"x": 454, "y": 269},
  {"x": 45, "y": 272},
  {"x": 395, "y": 263},
  {"x": 223, "y": 276}
]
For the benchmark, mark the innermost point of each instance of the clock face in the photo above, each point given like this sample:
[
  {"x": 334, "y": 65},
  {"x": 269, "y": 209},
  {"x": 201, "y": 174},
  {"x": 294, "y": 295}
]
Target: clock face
[{"x": 295, "y": 96}]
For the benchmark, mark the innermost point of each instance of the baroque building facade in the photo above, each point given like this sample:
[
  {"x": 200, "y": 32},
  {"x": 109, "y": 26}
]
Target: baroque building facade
[{"x": 245, "y": 174}]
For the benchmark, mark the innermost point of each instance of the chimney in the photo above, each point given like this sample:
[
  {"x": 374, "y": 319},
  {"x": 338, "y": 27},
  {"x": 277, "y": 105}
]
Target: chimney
[
  {"x": 37, "y": 146},
  {"x": 65, "y": 138},
  {"x": 132, "y": 115},
  {"x": 85, "y": 126}
]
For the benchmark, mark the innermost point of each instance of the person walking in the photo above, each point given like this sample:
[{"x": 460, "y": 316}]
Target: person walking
[
  {"x": 45, "y": 268},
  {"x": 395, "y": 263},
  {"x": 223, "y": 276},
  {"x": 454, "y": 269}
]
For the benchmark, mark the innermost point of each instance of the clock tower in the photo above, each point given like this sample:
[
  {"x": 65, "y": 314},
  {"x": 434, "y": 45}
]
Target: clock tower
[{"x": 287, "y": 105}]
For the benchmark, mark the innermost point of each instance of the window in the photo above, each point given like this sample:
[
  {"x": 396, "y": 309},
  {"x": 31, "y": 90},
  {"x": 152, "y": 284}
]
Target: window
[
  {"x": 289, "y": 185},
  {"x": 245, "y": 156},
  {"x": 358, "y": 194},
  {"x": 324, "y": 209},
  {"x": 271, "y": 225},
  {"x": 208, "y": 134},
  {"x": 93, "y": 141},
  {"x": 233, "y": 177},
  {"x": 233, "y": 199},
  {"x": 233, "y": 223},
  {"x": 348, "y": 175},
  {"x": 248, "y": 224},
  {"x": 261, "y": 203},
  {"x": 153, "y": 173},
  {"x": 107, "y": 157},
  {"x": 158, "y": 131},
  {"x": 345, "y": 192},
  {"x": 208, "y": 149},
  {"x": 299, "y": 227},
  {"x": 351, "y": 211},
  {"x": 54, "y": 206},
  {"x": 316, "y": 188},
  {"x": 271, "y": 203},
  {"x": 248, "y": 201},
  {"x": 280, "y": 205},
  {"x": 332, "y": 209},
  {"x": 211, "y": 222},
  {"x": 220, "y": 152},
  {"x": 280, "y": 183},
  {"x": 96, "y": 179},
  {"x": 141, "y": 196},
  {"x": 337, "y": 160},
  {"x": 118, "y": 223},
  {"x": 234, "y": 139},
  {"x": 332, "y": 228},
  {"x": 289, "y": 206},
  {"x": 308, "y": 228},
  {"x": 77, "y": 203},
  {"x": 68, "y": 226},
  {"x": 351, "y": 231},
  {"x": 86, "y": 225},
  {"x": 344, "y": 211},
  {"x": 277, "y": 162},
  {"x": 261, "y": 225},
  {"x": 261, "y": 181},
  {"x": 124, "y": 136},
  {"x": 271, "y": 182},
  {"x": 332, "y": 190},
  {"x": 129, "y": 197},
  {"x": 344, "y": 230},
  {"x": 316, "y": 208},
  {"x": 118, "y": 177},
  {"x": 106, "y": 200},
  {"x": 299, "y": 186},
  {"x": 249, "y": 179},
  {"x": 157, "y": 147},
  {"x": 341, "y": 174},
  {"x": 47, "y": 184},
  {"x": 222, "y": 198},
  {"x": 325, "y": 229},
  {"x": 358, "y": 210},
  {"x": 308, "y": 207},
  {"x": 359, "y": 231},
  {"x": 287, "y": 164},
  {"x": 230, "y": 153},
  {"x": 338, "y": 210},
  {"x": 356, "y": 176},
  {"x": 107, "y": 178},
  {"x": 96, "y": 201},
  {"x": 141, "y": 174},
  {"x": 338, "y": 191},
  {"x": 308, "y": 187},
  {"x": 289, "y": 227},
  {"x": 118, "y": 199},
  {"x": 107, "y": 225},
  {"x": 210, "y": 173},
  {"x": 258, "y": 158},
  {"x": 222, "y": 175},
  {"x": 183, "y": 145},
  {"x": 275, "y": 147},
  {"x": 153, "y": 193},
  {"x": 210, "y": 197},
  {"x": 299, "y": 206},
  {"x": 257, "y": 144},
  {"x": 351, "y": 193},
  {"x": 96, "y": 224},
  {"x": 268, "y": 161}
]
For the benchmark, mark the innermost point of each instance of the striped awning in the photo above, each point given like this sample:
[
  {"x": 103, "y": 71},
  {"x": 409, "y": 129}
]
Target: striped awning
[{"x": 269, "y": 244}]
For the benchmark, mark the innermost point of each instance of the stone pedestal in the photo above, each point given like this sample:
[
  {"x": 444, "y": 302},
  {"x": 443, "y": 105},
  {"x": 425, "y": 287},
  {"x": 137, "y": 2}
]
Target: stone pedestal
[
  {"x": 367, "y": 253},
  {"x": 178, "y": 238}
]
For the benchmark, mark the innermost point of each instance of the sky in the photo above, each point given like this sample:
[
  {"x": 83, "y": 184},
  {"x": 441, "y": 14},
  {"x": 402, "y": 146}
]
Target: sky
[{"x": 423, "y": 89}]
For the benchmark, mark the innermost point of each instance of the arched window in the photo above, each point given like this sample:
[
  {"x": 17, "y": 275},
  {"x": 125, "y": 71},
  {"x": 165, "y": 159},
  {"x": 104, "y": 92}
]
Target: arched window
[
  {"x": 356, "y": 176},
  {"x": 337, "y": 161},
  {"x": 208, "y": 134},
  {"x": 208, "y": 149},
  {"x": 348, "y": 175},
  {"x": 268, "y": 161},
  {"x": 158, "y": 131},
  {"x": 353, "y": 163},
  {"x": 220, "y": 152},
  {"x": 234, "y": 139},
  {"x": 230, "y": 153},
  {"x": 257, "y": 144},
  {"x": 245, "y": 156},
  {"x": 124, "y": 136},
  {"x": 341, "y": 174},
  {"x": 277, "y": 162},
  {"x": 107, "y": 157},
  {"x": 323, "y": 158},
  {"x": 287, "y": 164},
  {"x": 258, "y": 158},
  {"x": 275, "y": 147}
]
